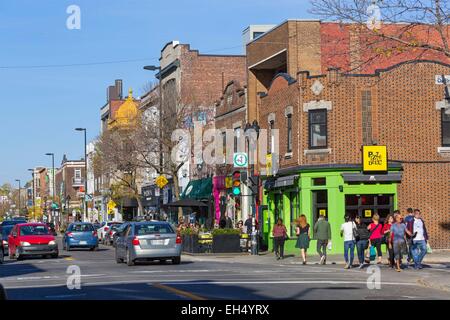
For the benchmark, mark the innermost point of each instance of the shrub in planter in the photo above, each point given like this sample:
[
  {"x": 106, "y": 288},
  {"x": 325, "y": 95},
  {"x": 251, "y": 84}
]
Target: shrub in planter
[
  {"x": 226, "y": 241},
  {"x": 190, "y": 240}
]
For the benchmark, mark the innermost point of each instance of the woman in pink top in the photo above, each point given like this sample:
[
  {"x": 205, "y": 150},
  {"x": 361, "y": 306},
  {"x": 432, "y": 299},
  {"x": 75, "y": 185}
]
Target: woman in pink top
[
  {"x": 279, "y": 237},
  {"x": 376, "y": 234}
]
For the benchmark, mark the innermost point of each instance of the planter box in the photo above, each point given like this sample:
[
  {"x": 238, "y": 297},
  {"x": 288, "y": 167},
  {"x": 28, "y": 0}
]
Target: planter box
[
  {"x": 226, "y": 243},
  {"x": 190, "y": 244}
]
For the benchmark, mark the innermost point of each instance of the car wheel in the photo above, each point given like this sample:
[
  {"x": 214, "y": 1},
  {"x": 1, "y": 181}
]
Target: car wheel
[
  {"x": 130, "y": 262},
  {"x": 94, "y": 248},
  {"x": 2, "y": 257},
  {"x": 18, "y": 256},
  {"x": 162, "y": 261},
  {"x": 55, "y": 255},
  {"x": 176, "y": 260}
]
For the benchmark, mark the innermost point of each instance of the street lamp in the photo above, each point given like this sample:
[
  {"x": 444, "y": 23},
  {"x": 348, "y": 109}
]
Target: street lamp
[
  {"x": 20, "y": 202},
  {"x": 34, "y": 201},
  {"x": 53, "y": 185},
  {"x": 161, "y": 160},
  {"x": 85, "y": 172}
]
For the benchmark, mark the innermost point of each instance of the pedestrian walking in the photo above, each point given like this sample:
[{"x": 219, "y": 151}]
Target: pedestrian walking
[
  {"x": 348, "y": 231},
  {"x": 419, "y": 238},
  {"x": 279, "y": 236},
  {"x": 387, "y": 239},
  {"x": 322, "y": 233},
  {"x": 304, "y": 235},
  {"x": 408, "y": 219},
  {"x": 376, "y": 236},
  {"x": 362, "y": 240},
  {"x": 399, "y": 232}
]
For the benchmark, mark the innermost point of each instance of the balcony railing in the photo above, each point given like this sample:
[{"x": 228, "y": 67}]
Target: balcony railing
[{"x": 77, "y": 182}]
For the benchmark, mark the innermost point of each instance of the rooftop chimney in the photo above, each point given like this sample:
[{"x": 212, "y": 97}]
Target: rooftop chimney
[{"x": 119, "y": 90}]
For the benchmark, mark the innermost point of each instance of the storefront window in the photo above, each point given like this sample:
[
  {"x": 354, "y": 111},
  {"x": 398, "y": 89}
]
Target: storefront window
[
  {"x": 320, "y": 204},
  {"x": 367, "y": 205},
  {"x": 293, "y": 209}
]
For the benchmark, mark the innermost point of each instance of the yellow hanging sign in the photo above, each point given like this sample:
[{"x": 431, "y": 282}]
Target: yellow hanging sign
[{"x": 375, "y": 159}]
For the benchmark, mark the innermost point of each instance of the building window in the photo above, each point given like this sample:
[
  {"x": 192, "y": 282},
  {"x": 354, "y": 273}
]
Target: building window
[
  {"x": 257, "y": 34},
  {"x": 237, "y": 134},
  {"x": 319, "y": 181},
  {"x": 445, "y": 129},
  {"x": 366, "y": 106},
  {"x": 289, "y": 133},
  {"x": 318, "y": 129},
  {"x": 320, "y": 204},
  {"x": 77, "y": 174},
  {"x": 272, "y": 136}
]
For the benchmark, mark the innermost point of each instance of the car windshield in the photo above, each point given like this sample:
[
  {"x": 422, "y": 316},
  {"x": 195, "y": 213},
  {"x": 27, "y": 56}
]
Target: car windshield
[
  {"x": 115, "y": 227},
  {"x": 81, "y": 228},
  {"x": 145, "y": 229},
  {"x": 6, "y": 230},
  {"x": 33, "y": 230}
]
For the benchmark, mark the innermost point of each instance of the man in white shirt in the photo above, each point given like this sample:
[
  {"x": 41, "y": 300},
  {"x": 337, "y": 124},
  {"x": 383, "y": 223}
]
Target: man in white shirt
[
  {"x": 347, "y": 231},
  {"x": 419, "y": 239}
]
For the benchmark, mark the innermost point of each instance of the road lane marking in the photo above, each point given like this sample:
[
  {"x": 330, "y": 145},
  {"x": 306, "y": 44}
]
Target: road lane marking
[
  {"x": 335, "y": 282},
  {"x": 66, "y": 296},
  {"x": 69, "y": 259},
  {"x": 178, "y": 292}
]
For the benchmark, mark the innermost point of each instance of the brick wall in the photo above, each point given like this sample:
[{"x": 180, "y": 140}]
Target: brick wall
[{"x": 404, "y": 117}]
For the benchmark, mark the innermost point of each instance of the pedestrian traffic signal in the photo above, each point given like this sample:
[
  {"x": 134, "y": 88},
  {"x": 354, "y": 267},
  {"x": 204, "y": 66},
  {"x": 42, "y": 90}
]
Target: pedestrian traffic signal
[{"x": 237, "y": 183}]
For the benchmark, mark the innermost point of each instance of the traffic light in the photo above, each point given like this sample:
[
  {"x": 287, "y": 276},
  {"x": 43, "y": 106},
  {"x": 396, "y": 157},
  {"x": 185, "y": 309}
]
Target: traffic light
[{"x": 237, "y": 183}]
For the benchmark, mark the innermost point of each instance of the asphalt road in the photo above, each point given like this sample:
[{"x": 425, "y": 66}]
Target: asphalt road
[{"x": 103, "y": 279}]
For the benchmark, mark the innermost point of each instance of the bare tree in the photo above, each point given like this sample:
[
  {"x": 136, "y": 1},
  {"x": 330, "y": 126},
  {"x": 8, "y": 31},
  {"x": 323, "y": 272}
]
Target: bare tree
[
  {"x": 383, "y": 29},
  {"x": 116, "y": 158}
]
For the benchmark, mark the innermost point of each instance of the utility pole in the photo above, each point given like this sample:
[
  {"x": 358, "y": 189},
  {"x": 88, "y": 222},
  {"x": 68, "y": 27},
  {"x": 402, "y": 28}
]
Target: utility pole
[
  {"x": 34, "y": 197},
  {"x": 85, "y": 210},
  {"x": 20, "y": 201},
  {"x": 53, "y": 186}
]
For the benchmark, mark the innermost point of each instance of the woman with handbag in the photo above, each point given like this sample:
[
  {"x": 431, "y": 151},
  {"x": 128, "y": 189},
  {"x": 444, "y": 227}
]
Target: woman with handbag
[
  {"x": 387, "y": 239},
  {"x": 279, "y": 237},
  {"x": 375, "y": 229},
  {"x": 304, "y": 236}
]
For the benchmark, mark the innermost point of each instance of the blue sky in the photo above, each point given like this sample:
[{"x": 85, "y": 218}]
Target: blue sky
[{"x": 40, "y": 107}]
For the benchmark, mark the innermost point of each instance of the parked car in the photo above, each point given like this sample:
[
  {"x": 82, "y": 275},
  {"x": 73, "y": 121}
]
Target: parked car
[
  {"x": 13, "y": 222},
  {"x": 30, "y": 239},
  {"x": 80, "y": 235},
  {"x": 2, "y": 252},
  {"x": 4, "y": 233},
  {"x": 148, "y": 241},
  {"x": 105, "y": 228},
  {"x": 109, "y": 236},
  {"x": 51, "y": 226},
  {"x": 120, "y": 229}
]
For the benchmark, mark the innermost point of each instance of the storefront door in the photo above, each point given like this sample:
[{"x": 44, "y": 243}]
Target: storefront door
[{"x": 366, "y": 205}]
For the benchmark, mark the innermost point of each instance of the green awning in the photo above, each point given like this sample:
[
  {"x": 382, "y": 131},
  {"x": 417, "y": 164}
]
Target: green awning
[{"x": 198, "y": 189}]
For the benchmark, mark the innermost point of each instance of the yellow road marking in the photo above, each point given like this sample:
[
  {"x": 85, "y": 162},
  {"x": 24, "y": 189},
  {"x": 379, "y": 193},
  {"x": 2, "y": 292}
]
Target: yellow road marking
[
  {"x": 69, "y": 259},
  {"x": 179, "y": 292}
]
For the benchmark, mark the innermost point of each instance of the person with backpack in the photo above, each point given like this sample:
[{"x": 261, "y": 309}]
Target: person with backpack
[
  {"x": 322, "y": 233},
  {"x": 376, "y": 235},
  {"x": 348, "y": 230},
  {"x": 387, "y": 239},
  {"x": 408, "y": 219},
  {"x": 362, "y": 240}
]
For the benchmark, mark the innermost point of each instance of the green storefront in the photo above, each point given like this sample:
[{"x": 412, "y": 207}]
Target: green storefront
[{"x": 335, "y": 190}]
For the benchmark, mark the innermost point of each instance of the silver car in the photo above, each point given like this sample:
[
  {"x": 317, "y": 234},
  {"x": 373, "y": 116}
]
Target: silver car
[{"x": 148, "y": 241}]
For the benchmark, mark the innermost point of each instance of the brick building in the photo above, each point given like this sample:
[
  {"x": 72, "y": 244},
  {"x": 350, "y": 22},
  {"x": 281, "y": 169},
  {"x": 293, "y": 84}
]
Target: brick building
[
  {"x": 198, "y": 80},
  {"x": 324, "y": 115},
  {"x": 69, "y": 184}
]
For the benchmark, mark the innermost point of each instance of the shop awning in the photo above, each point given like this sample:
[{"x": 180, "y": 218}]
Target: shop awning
[
  {"x": 198, "y": 189},
  {"x": 281, "y": 182},
  {"x": 359, "y": 177}
]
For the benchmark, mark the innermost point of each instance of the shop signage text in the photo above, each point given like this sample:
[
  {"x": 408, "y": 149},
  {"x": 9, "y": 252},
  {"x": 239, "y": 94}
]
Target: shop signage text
[{"x": 375, "y": 159}]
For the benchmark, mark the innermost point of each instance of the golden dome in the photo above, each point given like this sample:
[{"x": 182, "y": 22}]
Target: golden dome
[{"x": 126, "y": 114}]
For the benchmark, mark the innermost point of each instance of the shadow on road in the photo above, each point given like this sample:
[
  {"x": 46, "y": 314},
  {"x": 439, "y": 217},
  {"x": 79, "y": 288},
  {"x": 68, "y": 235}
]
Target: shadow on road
[{"x": 10, "y": 268}]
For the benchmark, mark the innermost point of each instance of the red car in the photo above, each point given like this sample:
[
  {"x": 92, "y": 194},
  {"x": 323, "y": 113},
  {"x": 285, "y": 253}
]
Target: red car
[{"x": 30, "y": 239}]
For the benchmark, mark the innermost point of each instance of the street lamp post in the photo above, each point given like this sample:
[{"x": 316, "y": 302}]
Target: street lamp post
[
  {"x": 85, "y": 173},
  {"x": 34, "y": 201},
  {"x": 20, "y": 202},
  {"x": 161, "y": 160},
  {"x": 53, "y": 185}
]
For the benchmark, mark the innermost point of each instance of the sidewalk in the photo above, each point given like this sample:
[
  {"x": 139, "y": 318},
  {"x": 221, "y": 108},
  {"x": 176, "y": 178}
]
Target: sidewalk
[{"x": 435, "y": 275}]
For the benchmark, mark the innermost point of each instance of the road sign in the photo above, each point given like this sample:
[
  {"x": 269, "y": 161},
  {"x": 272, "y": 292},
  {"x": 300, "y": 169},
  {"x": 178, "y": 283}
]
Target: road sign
[
  {"x": 240, "y": 160},
  {"x": 161, "y": 182},
  {"x": 375, "y": 159},
  {"x": 269, "y": 169}
]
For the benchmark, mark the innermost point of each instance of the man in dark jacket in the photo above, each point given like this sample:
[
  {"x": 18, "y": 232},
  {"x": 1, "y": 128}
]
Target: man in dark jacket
[{"x": 322, "y": 233}]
